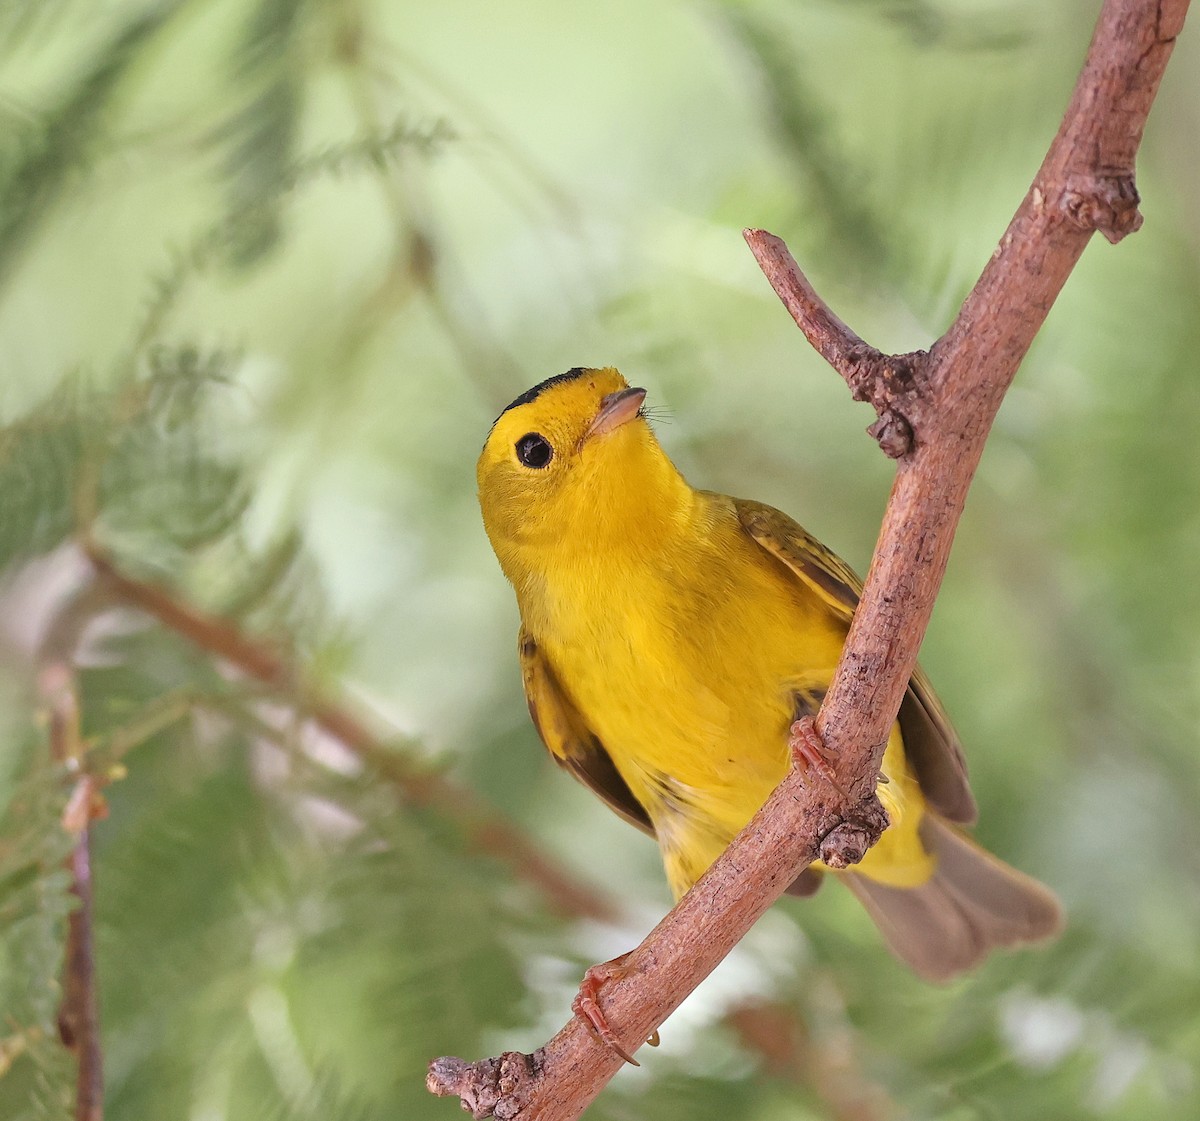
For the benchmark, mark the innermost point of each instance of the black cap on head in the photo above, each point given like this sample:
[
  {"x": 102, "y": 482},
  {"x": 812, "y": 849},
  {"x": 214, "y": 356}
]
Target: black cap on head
[{"x": 536, "y": 391}]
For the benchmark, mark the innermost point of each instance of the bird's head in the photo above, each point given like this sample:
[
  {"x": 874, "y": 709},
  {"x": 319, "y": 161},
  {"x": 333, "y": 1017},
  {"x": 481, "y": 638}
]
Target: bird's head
[{"x": 571, "y": 465}]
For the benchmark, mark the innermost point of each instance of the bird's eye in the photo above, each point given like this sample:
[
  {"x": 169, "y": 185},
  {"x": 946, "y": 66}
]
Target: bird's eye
[{"x": 534, "y": 450}]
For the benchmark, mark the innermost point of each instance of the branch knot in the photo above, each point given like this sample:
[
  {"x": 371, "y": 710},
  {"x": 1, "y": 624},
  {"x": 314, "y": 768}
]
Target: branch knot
[
  {"x": 894, "y": 432},
  {"x": 1106, "y": 201},
  {"x": 892, "y": 383},
  {"x": 488, "y": 1088},
  {"x": 847, "y": 842}
]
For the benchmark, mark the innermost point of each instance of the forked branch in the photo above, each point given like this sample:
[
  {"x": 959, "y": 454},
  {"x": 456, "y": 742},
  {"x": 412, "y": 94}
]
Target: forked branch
[
  {"x": 890, "y": 382},
  {"x": 1085, "y": 184}
]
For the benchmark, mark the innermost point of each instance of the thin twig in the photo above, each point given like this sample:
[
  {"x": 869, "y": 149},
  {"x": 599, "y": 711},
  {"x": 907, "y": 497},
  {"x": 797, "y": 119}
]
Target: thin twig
[
  {"x": 485, "y": 828},
  {"x": 1085, "y": 183},
  {"x": 79, "y": 1016},
  {"x": 79, "y": 1013},
  {"x": 887, "y": 381}
]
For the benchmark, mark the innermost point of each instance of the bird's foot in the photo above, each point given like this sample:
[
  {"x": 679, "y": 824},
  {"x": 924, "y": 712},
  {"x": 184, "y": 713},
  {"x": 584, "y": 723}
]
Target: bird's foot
[
  {"x": 810, "y": 752},
  {"x": 587, "y": 1007}
]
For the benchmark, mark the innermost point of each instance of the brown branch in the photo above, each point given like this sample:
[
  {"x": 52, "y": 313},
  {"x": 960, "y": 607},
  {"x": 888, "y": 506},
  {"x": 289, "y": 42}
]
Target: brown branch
[
  {"x": 1085, "y": 183},
  {"x": 560, "y": 1079},
  {"x": 887, "y": 381},
  {"x": 79, "y": 1016},
  {"x": 485, "y": 828},
  {"x": 79, "y": 1012}
]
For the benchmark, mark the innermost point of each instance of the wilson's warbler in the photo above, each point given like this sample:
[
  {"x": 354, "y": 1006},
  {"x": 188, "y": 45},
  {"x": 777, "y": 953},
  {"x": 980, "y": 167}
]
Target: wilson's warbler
[{"x": 671, "y": 637}]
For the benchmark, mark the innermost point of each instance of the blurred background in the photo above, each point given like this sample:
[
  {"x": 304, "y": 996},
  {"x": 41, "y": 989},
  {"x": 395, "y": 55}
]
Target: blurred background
[{"x": 268, "y": 271}]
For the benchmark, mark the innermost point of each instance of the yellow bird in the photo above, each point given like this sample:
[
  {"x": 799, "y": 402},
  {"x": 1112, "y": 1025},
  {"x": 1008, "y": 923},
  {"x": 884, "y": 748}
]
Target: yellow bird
[{"x": 671, "y": 638}]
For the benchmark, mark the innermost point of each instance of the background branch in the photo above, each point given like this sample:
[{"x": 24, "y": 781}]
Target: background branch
[
  {"x": 1084, "y": 184},
  {"x": 485, "y": 828},
  {"x": 79, "y": 1010}
]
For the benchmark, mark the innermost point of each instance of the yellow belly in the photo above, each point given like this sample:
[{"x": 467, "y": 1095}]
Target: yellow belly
[
  {"x": 693, "y": 694},
  {"x": 694, "y": 824}
]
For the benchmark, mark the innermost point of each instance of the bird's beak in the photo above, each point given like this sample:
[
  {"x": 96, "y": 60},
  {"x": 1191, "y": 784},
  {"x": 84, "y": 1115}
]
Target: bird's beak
[{"x": 615, "y": 409}]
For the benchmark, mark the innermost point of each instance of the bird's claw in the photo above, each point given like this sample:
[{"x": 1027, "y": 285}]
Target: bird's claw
[
  {"x": 587, "y": 1007},
  {"x": 809, "y": 751}
]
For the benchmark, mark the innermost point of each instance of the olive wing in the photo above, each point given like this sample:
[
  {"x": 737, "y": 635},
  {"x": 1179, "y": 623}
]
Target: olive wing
[
  {"x": 567, "y": 737},
  {"x": 930, "y": 742}
]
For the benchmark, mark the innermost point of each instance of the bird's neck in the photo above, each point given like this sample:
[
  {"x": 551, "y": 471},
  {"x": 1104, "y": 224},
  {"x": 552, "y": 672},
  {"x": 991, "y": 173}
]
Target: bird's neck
[{"x": 627, "y": 530}]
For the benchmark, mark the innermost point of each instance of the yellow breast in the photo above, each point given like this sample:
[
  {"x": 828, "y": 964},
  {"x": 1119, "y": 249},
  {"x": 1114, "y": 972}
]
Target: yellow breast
[{"x": 686, "y": 669}]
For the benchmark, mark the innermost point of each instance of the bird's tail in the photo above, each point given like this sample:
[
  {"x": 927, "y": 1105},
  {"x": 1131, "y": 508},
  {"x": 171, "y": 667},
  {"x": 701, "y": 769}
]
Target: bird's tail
[{"x": 972, "y": 904}]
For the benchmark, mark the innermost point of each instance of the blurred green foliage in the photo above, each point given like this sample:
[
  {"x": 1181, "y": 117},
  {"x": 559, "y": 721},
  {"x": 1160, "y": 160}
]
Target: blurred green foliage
[{"x": 267, "y": 272}]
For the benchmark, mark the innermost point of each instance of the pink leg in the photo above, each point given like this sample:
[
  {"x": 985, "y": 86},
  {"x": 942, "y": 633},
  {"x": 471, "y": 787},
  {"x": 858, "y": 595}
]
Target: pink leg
[
  {"x": 587, "y": 1007},
  {"x": 809, "y": 751}
]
